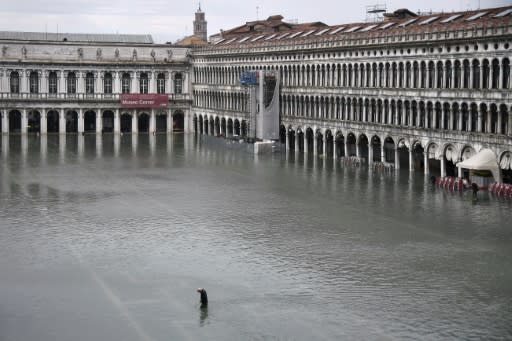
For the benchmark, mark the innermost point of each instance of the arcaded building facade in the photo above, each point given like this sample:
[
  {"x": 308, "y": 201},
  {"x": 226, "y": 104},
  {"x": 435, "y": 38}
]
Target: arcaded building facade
[
  {"x": 416, "y": 91},
  {"x": 72, "y": 83},
  {"x": 413, "y": 91}
]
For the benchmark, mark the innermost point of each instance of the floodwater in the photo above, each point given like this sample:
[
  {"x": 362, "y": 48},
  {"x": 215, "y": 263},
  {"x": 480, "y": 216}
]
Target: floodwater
[{"x": 108, "y": 238}]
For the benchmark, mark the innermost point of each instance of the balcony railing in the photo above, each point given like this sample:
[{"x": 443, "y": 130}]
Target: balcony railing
[{"x": 76, "y": 97}]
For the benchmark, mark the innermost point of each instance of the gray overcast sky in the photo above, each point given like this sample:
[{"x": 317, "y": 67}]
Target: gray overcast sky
[{"x": 169, "y": 20}]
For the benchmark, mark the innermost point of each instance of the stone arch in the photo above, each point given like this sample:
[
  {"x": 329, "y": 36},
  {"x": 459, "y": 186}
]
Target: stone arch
[
  {"x": 319, "y": 136},
  {"x": 126, "y": 122},
  {"x": 89, "y": 121},
  {"x": 363, "y": 146},
  {"x": 14, "y": 121},
  {"x": 71, "y": 121},
  {"x": 451, "y": 157},
  {"x": 339, "y": 141},
  {"x": 309, "y": 136},
  {"x": 178, "y": 121},
  {"x": 433, "y": 159},
  {"x": 143, "y": 122},
  {"x": 389, "y": 150},
  {"x": 34, "y": 121},
  {"x": 108, "y": 121}
]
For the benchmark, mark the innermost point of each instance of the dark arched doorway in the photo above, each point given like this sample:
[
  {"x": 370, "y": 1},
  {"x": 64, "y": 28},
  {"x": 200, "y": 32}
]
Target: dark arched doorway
[
  {"x": 71, "y": 122},
  {"x": 90, "y": 122},
  {"x": 14, "y": 121},
  {"x": 52, "y": 121},
  {"x": 108, "y": 122},
  {"x": 34, "y": 122},
  {"x": 126, "y": 123},
  {"x": 178, "y": 122},
  {"x": 143, "y": 123}
]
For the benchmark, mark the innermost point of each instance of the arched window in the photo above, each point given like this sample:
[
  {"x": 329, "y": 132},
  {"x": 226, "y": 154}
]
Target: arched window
[
  {"x": 466, "y": 76},
  {"x": 448, "y": 81},
  {"x": 71, "y": 83},
  {"x": 89, "y": 83},
  {"x": 457, "y": 76},
  {"x": 107, "y": 83},
  {"x": 178, "y": 83},
  {"x": 439, "y": 75},
  {"x": 144, "y": 83},
  {"x": 485, "y": 74},
  {"x": 476, "y": 74},
  {"x": 495, "y": 74},
  {"x": 15, "y": 82},
  {"x": 126, "y": 83},
  {"x": 34, "y": 82},
  {"x": 160, "y": 83},
  {"x": 52, "y": 82}
]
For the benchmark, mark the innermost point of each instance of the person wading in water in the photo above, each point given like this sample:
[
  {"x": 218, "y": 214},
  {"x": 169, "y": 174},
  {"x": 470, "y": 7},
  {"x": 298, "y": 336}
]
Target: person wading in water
[{"x": 204, "y": 297}]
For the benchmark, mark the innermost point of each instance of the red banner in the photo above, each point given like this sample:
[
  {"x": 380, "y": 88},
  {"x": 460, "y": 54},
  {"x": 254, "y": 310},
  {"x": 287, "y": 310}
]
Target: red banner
[{"x": 151, "y": 101}]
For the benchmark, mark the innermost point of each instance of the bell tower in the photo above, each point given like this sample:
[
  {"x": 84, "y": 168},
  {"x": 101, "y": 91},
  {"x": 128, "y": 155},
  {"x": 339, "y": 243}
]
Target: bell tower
[{"x": 200, "y": 25}]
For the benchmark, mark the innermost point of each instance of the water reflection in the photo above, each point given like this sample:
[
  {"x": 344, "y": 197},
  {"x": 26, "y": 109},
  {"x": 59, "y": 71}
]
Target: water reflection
[
  {"x": 203, "y": 315},
  {"x": 349, "y": 253}
]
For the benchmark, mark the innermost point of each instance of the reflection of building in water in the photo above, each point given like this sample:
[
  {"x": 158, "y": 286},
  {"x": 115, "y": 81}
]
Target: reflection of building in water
[{"x": 411, "y": 91}]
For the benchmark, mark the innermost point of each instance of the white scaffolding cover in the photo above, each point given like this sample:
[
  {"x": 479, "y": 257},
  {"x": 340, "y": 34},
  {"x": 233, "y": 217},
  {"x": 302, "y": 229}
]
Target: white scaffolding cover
[{"x": 483, "y": 160}]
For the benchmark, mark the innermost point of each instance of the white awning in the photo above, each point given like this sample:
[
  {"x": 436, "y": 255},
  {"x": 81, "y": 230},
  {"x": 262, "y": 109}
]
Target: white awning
[{"x": 483, "y": 160}]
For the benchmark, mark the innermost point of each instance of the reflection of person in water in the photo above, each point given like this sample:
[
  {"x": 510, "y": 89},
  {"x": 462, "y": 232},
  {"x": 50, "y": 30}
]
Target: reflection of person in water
[{"x": 204, "y": 297}]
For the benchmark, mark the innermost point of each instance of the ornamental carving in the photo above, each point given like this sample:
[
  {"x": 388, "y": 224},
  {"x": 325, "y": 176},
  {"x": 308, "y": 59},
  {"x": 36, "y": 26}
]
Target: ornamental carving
[
  {"x": 4, "y": 50},
  {"x": 153, "y": 55},
  {"x": 169, "y": 54},
  {"x": 134, "y": 55},
  {"x": 99, "y": 54},
  {"x": 24, "y": 52},
  {"x": 80, "y": 52},
  {"x": 116, "y": 54}
]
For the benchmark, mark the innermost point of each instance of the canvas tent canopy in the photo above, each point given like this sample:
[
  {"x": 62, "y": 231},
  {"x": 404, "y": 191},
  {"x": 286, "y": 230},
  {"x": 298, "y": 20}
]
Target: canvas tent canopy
[{"x": 483, "y": 160}]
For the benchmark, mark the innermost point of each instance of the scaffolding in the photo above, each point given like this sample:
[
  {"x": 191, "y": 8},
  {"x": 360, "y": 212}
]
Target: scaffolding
[{"x": 375, "y": 13}]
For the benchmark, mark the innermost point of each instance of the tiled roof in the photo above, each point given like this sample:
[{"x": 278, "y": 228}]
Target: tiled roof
[
  {"x": 397, "y": 22},
  {"x": 77, "y": 37}
]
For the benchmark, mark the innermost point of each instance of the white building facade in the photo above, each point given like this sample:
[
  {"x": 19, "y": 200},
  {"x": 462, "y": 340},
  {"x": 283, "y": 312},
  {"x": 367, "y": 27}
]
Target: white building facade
[
  {"x": 72, "y": 83},
  {"x": 422, "y": 92}
]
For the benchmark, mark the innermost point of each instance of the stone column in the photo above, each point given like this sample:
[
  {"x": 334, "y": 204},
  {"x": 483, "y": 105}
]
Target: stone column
[
  {"x": 425, "y": 161},
  {"x": 151, "y": 80},
  {"x": 62, "y": 121},
  {"x": 98, "y": 84},
  {"x": 44, "y": 122},
  {"x": 345, "y": 146},
  {"x": 382, "y": 153},
  {"x": 80, "y": 79},
  {"x": 24, "y": 81},
  {"x": 134, "y": 82},
  {"x": 443, "y": 167},
  {"x": 152, "y": 122},
  {"x": 306, "y": 144},
  {"x": 411, "y": 159},
  {"x": 370, "y": 154},
  {"x": 135, "y": 127},
  {"x": 117, "y": 122},
  {"x": 169, "y": 122},
  {"x": 479, "y": 127},
  {"x": 334, "y": 149},
  {"x": 116, "y": 82},
  {"x": 61, "y": 82},
  {"x": 24, "y": 121},
  {"x": 99, "y": 122},
  {"x": 397, "y": 159},
  {"x": 287, "y": 143},
  {"x": 5, "y": 121},
  {"x": 324, "y": 152},
  {"x": 80, "y": 121},
  {"x": 315, "y": 144}
]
